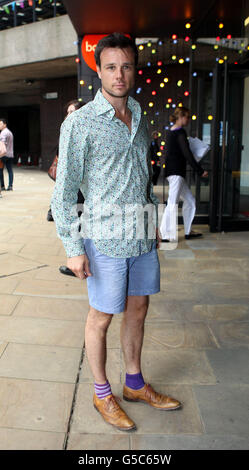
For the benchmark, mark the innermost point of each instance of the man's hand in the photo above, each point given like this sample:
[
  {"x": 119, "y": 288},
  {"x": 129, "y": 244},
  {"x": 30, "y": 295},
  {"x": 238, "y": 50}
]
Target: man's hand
[
  {"x": 80, "y": 266},
  {"x": 204, "y": 174}
]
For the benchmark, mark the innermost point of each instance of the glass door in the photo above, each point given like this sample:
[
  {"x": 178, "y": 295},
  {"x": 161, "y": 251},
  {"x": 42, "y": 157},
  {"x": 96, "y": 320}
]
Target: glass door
[{"x": 229, "y": 195}]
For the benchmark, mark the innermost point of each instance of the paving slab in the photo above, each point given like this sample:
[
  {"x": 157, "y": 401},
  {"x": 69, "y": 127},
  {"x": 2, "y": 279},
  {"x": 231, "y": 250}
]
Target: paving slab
[
  {"x": 83, "y": 441},
  {"x": 11, "y": 264},
  {"x": 202, "y": 442},
  {"x": 48, "y": 363},
  {"x": 231, "y": 334},
  {"x": 148, "y": 420},
  {"x": 34, "y": 404},
  {"x": 173, "y": 334},
  {"x": 218, "y": 313},
  {"x": 22, "y": 439},
  {"x": 42, "y": 331},
  {"x": 180, "y": 253},
  {"x": 224, "y": 408},
  {"x": 55, "y": 309},
  {"x": 176, "y": 367},
  {"x": 232, "y": 374},
  {"x": 43, "y": 288},
  {"x": 8, "y": 303}
]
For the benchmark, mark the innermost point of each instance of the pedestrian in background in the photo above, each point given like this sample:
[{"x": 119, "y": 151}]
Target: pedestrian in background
[
  {"x": 178, "y": 154},
  {"x": 155, "y": 160},
  {"x": 6, "y": 137}
]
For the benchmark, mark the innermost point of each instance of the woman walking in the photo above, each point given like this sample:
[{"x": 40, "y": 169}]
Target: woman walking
[{"x": 178, "y": 154}]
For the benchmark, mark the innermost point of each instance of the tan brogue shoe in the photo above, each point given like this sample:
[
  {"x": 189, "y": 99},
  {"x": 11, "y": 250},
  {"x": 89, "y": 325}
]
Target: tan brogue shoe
[
  {"x": 148, "y": 395},
  {"x": 112, "y": 413}
]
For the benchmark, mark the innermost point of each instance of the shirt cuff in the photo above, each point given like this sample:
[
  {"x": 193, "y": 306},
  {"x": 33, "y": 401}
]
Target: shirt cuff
[{"x": 74, "y": 248}]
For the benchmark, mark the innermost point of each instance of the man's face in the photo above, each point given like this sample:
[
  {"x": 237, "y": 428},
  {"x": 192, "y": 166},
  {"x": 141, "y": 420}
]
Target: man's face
[
  {"x": 117, "y": 71},
  {"x": 2, "y": 125}
]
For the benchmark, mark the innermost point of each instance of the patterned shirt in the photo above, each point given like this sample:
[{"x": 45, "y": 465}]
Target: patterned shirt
[
  {"x": 111, "y": 166},
  {"x": 6, "y": 137}
]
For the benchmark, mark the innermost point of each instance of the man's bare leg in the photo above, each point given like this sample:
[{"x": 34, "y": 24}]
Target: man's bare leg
[
  {"x": 95, "y": 339},
  {"x": 132, "y": 332}
]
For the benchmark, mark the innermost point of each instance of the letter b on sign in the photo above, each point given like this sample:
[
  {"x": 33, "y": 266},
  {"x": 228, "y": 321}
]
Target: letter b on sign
[{"x": 88, "y": 47}]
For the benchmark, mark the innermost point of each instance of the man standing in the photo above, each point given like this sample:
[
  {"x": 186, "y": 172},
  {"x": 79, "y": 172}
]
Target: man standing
[
  {"x": 6, "y": 137},
  {"x": 104, "y": 151}
]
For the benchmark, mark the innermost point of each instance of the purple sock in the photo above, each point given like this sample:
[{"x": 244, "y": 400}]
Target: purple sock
[
  {"x": 134, "y": 381},
  {"x": 102, "y": 390}
]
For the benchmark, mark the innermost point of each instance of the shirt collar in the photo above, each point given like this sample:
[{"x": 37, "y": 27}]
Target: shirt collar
[{"x": 102, "y": 106}]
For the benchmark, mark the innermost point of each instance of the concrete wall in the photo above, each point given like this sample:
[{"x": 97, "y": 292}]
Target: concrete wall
[{"x": 39, "y": 41}]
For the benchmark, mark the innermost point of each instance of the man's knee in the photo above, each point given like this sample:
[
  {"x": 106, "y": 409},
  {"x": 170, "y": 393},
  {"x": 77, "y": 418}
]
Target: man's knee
[
  {"x": 99, "y": 320},
  {"x": 136, "y": 308}
]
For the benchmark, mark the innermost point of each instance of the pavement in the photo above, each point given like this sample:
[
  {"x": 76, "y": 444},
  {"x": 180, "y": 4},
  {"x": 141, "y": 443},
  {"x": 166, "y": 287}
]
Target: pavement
[{"x": 195, "y": 345}]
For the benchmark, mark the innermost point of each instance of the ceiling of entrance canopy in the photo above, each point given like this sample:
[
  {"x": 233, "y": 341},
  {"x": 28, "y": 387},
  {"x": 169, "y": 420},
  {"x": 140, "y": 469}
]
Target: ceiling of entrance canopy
[{"x": 158, "y": 18}]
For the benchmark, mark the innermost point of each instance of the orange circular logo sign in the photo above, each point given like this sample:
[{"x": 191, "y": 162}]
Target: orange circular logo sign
[{"x": 88, "y": 47}]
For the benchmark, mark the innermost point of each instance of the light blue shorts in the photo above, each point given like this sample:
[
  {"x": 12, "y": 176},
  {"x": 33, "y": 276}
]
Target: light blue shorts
[{"x": 113, "y": 279}]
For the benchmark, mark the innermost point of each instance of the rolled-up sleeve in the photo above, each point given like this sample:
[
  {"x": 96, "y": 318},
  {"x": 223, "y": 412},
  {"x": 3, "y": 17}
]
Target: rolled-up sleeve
[{"x": 70, "y": 173}]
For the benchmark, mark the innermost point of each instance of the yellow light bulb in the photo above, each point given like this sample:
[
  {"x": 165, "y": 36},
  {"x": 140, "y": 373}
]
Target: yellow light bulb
[
  {"x": 152, "y": 122},
  {"x": 153, "y": 51},
  {"x": 180, "y": 105},
  {"x": 179, "y": 83},
  {"x": 141, "y": 47},
  {"x": 181, "y": 61},
  {"x": 210, "y": 117},
  {"x": 159, "y": 154},
  {"x": 82, "y": 82},
  {"x": 149, "y": 44},
  {"x": 159, "y": 134},
  {"x": 216, "y": 47},
  {"x": 221, "y": 25},
  {"x": 145, "y": 112},
  {"x": 162, "y": 143},
  {"x": 151, "y": 104},
  {"x": 162, "y": 85},
  {"x": 221, "y": 61},
  {"x": 173, "y": 57},
  {"x": 167, "y": 105},
  {"x": 159, "y": 71},
  {"x": 194, "y": 117},
  {"x": 166, "y": 80},
  {"x": 187, "y": 25},
  {"x": 194, "y": 47}
]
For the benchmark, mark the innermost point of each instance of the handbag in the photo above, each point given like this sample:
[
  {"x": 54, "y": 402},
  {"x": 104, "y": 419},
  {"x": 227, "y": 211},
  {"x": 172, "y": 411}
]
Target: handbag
[
  {"x": 1, "y": 164},
  {"x": 53, "y": 168},
  {"x": 2, "y": 149},
  {"x": 198, "y": 148}
]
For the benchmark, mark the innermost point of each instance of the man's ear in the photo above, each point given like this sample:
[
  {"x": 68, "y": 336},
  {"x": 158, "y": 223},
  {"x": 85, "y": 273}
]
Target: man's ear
[{"x": 98, "y": 71}]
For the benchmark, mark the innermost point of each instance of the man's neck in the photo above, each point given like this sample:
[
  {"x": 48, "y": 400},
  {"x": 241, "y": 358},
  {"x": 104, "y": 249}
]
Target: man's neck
[{"x": 119, "y": 104}]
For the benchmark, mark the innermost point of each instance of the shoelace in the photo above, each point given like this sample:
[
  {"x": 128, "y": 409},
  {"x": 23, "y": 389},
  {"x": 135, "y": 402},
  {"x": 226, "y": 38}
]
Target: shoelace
[
  {"x": 112, "y": 402},
  {"x": 152, "y": 394}
]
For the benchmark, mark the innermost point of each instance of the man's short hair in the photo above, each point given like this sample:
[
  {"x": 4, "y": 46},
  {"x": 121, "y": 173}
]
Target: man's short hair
[
  {"x": 4, "y": 121},
  {"x": 118, "y": 40}
]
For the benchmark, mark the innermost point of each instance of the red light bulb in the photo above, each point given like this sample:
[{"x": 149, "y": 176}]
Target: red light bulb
[
  {"x": 140, "y": 72},
  {"x": 187, "y": 38},
  {"x": 174, "y": 36},
  {"x": 170, "y": 100},
  {"x": 186, "y": 93},
  {"x": 159, "y": 63},
  {"x": 77, "y": 60},
  {"x": 229, "y": 36},
  {"x": 153, "y": 92},
  {"x": 148, "y": 80}
]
